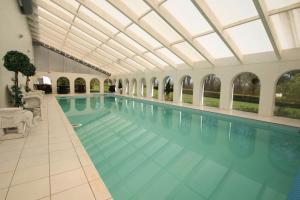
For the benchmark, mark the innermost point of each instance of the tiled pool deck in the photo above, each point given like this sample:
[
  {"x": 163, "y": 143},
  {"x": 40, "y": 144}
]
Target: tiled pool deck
[{"x": 50, "y": 163}]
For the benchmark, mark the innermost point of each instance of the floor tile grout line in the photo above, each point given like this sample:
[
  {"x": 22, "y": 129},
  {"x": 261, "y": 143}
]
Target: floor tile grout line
[
  {"x": 15, "y": 169},
  {"x": 60, "y": 114}
]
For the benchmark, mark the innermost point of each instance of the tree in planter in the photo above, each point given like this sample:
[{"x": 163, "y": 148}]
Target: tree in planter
[
  {"x": 28, "y": 71},
  {"x": 15, "y": 61}
]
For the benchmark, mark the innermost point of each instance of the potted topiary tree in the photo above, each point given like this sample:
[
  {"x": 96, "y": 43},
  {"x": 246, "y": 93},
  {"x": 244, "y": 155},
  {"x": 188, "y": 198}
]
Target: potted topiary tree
[
  {"x": 28, "y": 71},
  {"x": 15, "y": 61}
]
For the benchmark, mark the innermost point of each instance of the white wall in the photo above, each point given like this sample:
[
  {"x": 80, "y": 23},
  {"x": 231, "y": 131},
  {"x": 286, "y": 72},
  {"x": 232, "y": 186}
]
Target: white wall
[
  {"x": 268, "y": 73},
  {"x": 13, "y": 24},
  {"x": 49, "y": 61}
]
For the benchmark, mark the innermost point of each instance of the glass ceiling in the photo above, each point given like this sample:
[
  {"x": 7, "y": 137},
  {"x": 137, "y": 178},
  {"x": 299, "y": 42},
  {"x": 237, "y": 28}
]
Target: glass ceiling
[{"x": 130, "y": 36}]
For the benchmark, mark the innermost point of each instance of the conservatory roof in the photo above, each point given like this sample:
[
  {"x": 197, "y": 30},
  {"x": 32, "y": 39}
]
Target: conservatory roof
[{"x": 128, "y": 36}]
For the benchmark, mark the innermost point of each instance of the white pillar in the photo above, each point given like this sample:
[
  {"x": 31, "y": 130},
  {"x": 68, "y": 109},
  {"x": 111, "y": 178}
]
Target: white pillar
[
  {"x": 72, "y": 86},
  {"x": 101, "y": 86},
  {"x": 149, "y": 89},
  {"x": 197, "y": 93},
  {"x": 130, "y": 89},
  {"x": 87, "y": 86},
  {"x": 267, "y": 97},
  {"x": 139, "y": 89},
  {"x": 161, "y": 88},
  {"x": 226, "y": 93},
  {"x": 177, "y": 91},
  {"x": 117, "y": 86}
]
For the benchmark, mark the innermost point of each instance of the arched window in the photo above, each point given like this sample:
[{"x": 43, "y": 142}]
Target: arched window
[
  {"x": 107, "y": 85},
  {"x": 246, "y": 90},
  {"x": 134, "y": 87},
  {"x": 211, "y": 91},
  {"x": 95, "y": 85},
  {"x": 120, "y": 86},
  {"x": 154, "y": 88},
  {"x": 80, "y": 86},
  {"x": 63, "y": 85},
  {"x": 143, "y": 88},
  {"x": 287, "y": 97},
  {"x": 168, "y": 84},
  {"x": 187, "y": 90}
]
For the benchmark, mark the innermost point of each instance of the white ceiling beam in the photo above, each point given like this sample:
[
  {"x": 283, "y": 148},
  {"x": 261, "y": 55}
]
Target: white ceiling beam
[
  {"x": 240, "y": 22},
  {"x": 171, "y": 21},
  {"x": 123, "y": 8},
  {"x": 268, "y": 25},
  {"x": 217, "y": 27}
]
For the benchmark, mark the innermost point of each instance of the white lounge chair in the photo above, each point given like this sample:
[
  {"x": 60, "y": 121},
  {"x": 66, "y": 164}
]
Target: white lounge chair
[{"x": 17, "y": 119}]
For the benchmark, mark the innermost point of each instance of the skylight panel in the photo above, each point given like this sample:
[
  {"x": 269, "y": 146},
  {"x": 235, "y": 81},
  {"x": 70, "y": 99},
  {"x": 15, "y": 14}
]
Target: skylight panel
[
  {"x": 86, "y": 37},
  {"x": 57, "y": 10},
  {"x": 53, "y": 18},
  {"x": 145, "y": 62},
  {"x": 250, "y": 37},
  {"x": 113, "y": 12},
  {"x": 187, "y": 15},
  {"x": 112, "y": 51},
  {"x": 283, "y": 23},
  {"x": 90, "y": 29},
  {"x": 81, "y": 41},
  {"x": 156, "y": 59},
  {"x": 51, "y": 25},
  {"x": 134, "y": 63},
  {"x": 129, "y": 66},
  {"x": 98, "y": 20},
  {"x": 72, "y": 43},
  {"x": 105, "y": 54},
  {"x": 231, "y": 11},
  {"x": 123, "y": 37},
  {"x": 161, "y": 27},
  {"x": 123, "y": 68},
  {"x": 138, "y": 7},
  {"x": 116, "y": 45},
  {"x": 187, "y": 50},
  {"x": 50, "y": 31},
  {"x": 144, "y": 36},
  {"x": 275, "y": 4},
  {"x": 169, "y": 55},
  {"x": 214, "y": 45}
]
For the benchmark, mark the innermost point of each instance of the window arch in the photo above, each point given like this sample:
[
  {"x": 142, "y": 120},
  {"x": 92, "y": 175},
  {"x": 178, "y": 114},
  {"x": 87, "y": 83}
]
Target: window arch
[
  {"x": 211, "y": 91},
  {"x": 120, "y": 86},
  {"x": 80, "y": 85},
  {"x": 187, "y": 90},
  {"x": 94, "y": 85},
  {"x": 154, "y": 88},
  {"x": 287, "y": 95},
  {"x": 168, "y": 84},
  {"x": 246, "y": 91},
  {"x": 143, "y": 87},
  {"x": 63, "y": 85}
]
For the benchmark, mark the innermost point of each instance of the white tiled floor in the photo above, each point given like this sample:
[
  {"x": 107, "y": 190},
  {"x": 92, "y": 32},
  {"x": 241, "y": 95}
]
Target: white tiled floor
[{"x": 50, "y": 163}]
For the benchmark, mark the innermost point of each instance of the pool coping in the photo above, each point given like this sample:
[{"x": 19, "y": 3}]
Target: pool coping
[
  {"x": 233, "y": 113},
  {"x": 84, "y": 158}
]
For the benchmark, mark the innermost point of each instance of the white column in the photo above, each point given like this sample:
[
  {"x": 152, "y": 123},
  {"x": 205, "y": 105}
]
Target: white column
[
  {"x": 226, "y": 93},
  {"x": 54, "y": 86},
  {"x": 177, "y": 91},
  {"x": 101, "y": 86},
  {"x": 149, "y": 89},
  {"x": 87, "y": 86},
  {"x": 130, "y": 89},
  {"x": 117, "y": 86},
  {"x": 161, "y": 88},
  {"x": 72, "y": 86},
  {"x": 197, "y": 93},
  {"x": 267, "y": 97},
  {"x": 139, "y": 88}
]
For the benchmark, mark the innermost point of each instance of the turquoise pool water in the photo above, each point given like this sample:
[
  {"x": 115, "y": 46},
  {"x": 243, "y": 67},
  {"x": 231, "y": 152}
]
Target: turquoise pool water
[{"x": 150, "y": 151}]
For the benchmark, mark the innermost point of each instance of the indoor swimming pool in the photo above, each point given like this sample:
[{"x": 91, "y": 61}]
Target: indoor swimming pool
[{"x": 145, "y": 150}]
